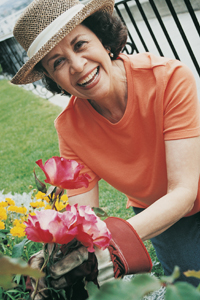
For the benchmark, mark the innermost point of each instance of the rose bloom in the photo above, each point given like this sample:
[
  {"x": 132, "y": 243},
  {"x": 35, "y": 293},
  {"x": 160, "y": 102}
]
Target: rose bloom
[
  {"x": 95, "y": 229},
  {"x": 50, "y": 226},
  {"x": 63, "y": 173}
]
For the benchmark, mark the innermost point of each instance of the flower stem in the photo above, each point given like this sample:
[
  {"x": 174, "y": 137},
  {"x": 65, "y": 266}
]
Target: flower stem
[{"x": 37, "y": 281}]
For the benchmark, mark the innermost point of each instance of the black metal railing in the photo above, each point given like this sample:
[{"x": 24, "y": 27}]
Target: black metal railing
[
  {"x": 12, "y": 58},
  {"x": 143, "y": 13}
]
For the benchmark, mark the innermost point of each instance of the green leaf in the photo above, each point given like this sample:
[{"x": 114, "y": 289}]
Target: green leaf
[
  {"x": 6, "y": 282},
  {"x": 173, "y": 277},
  {"x": 133, "y": 290},
  {"x": 99, "y": 212},
  {"x": 181, "y": 291},
  {"x": 1, "y": 293},
  {"x": 11, "y": 266},
  {"x": 192, "y": 273},
  {"x": 17, "y": 279},
  {"x": 2, "y": 235},
  {"x": 18, "y": 249},
  {"x": 91, "y": 288},
  {"x": 4, "y": 230},
  {"x": 143, "y": 284}
]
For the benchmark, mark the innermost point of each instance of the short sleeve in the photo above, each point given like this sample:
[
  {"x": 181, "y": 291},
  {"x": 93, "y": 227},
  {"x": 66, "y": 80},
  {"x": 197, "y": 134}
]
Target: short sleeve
[
  {"x": 181, "y": 105},
  {"x": 67, "y": 153}
]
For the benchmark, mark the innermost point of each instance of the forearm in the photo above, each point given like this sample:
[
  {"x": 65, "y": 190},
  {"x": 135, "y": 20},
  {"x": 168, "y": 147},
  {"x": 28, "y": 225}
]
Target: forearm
[
  {"x": 163, "y": 213},
  {"x": 90, "y": 198}
]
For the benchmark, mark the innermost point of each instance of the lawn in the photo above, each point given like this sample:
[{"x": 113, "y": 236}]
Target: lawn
[{"x": 28, "y": 134}]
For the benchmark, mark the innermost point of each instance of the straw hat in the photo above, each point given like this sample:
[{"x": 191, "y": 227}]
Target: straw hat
[{"x": 44, "y": 23}]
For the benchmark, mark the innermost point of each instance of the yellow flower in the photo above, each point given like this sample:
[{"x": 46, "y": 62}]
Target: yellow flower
[
  {"x": 18, "y": 223},
  {"x": 37, "y": 204},
  {"x": 60, "y": 205},
  {"x": 17, "y": 231},
  {"x": 48, "y": 206},
  {"x": 3, "y": 204},
  {"x": 34, "y": 204},
  {"x": 64, "y": 198},
  {"x": 23, "y": 219},
  {"x": 13, "y": 208},
  {"x": 15, "y": 222},
  {"x": 41, "y": 196},
  {"x": 22, "y": 210},
  {"x": 3, "y": 214},
  {"x": 41, "y": 204},
  {"x": 32, "y": 214},
  {"x": 10, "y": 201},
  {"x": 2, "y": 225}
]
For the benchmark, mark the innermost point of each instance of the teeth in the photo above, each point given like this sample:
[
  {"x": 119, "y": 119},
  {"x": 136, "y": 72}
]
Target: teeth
[{"x": 88, "y": 78}]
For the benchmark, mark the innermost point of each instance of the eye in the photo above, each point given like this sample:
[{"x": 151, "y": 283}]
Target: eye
[
  {"x": 57, "y": 62},
  {"x": 79, "y": 45}
]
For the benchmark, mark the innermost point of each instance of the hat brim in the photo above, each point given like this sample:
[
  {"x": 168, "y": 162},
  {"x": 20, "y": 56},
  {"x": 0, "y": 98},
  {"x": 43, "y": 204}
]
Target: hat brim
[{"x": 27, "y": 73}]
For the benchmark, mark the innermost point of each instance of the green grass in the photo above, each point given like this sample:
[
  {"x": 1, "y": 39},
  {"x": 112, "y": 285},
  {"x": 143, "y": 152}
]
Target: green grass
[{"x": 28, "y": 134}]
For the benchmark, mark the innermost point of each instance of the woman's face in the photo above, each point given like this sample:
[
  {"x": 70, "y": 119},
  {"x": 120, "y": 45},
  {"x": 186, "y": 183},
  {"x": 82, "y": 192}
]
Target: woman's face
[{"x": 80, "y": 65}]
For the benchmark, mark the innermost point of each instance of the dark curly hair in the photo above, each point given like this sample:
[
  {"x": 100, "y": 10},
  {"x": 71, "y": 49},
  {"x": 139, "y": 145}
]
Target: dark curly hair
[{"x": 111, "y": 32}]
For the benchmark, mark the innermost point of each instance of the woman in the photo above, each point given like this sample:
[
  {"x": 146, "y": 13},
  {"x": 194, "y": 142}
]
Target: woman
[{"x": 132, "y": 120}]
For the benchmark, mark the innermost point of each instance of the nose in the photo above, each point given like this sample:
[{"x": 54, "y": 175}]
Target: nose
[{"x": 77, "y": 64}]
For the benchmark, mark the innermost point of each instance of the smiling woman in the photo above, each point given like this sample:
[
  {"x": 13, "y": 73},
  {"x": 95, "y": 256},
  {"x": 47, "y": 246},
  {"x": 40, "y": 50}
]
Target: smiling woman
[
  {"x": 132, "y": 120},
  {"x": 109, "y": 30}
]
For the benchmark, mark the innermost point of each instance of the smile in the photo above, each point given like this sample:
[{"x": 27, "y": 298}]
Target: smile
[{"x": 90, "y": 78}]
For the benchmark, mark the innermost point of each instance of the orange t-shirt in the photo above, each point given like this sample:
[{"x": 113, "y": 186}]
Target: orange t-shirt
[{"x": 130, "y": 155}]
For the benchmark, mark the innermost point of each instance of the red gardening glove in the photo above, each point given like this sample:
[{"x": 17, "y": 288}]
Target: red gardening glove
[
  {"x": 127, "y": 251},
  {"x": 126, "y": 254}
]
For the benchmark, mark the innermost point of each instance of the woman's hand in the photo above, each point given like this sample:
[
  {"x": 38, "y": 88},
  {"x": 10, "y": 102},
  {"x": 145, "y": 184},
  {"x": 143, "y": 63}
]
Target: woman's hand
[{"x": 126, "y": 254}]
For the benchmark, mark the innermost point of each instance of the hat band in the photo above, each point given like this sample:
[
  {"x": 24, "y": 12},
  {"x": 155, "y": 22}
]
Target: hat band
[{"x": 45, "y": 35}]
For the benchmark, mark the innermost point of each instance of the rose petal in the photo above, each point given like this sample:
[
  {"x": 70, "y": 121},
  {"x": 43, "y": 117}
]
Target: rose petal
[{"x": 63, "y": 173}]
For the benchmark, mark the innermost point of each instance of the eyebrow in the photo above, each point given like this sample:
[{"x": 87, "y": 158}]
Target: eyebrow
[
  {"x": 51, "y": 58},
  {"x": 75, "y": 39},
  {"x": 71, "y": 43}
]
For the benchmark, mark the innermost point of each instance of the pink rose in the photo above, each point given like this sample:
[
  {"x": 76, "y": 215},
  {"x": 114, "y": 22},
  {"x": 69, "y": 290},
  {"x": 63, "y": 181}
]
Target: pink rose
[
  {"x": 50, "y": 226},
  {"x": 63, "y": 173},
  {"x": 94, "y": 231}
]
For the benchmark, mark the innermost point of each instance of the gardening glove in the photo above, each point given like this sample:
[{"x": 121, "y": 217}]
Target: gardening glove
[
  {"x": 36, "y": 261},
  {"x": 126, "y": 254},
  {"x": 75, "y": 290}
]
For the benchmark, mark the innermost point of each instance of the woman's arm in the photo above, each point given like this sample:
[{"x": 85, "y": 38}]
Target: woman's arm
[
  {"x": 90, "y": 198},
  {"x": 183, "y": 169}
]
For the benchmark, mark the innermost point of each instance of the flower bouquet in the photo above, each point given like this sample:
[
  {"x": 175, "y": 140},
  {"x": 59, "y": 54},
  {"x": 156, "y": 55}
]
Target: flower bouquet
[{"x": 62, "y": 232}]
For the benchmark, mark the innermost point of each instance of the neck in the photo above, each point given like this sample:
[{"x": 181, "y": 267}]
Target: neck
[{"x": 114, "y": 106}]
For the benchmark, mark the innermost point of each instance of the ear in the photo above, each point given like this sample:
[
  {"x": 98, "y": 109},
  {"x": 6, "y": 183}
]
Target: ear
[{"x": 107, "y": 49}]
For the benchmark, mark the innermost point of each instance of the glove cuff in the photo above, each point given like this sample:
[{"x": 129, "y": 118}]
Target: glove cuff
[{"x": 128, "y": 253}]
